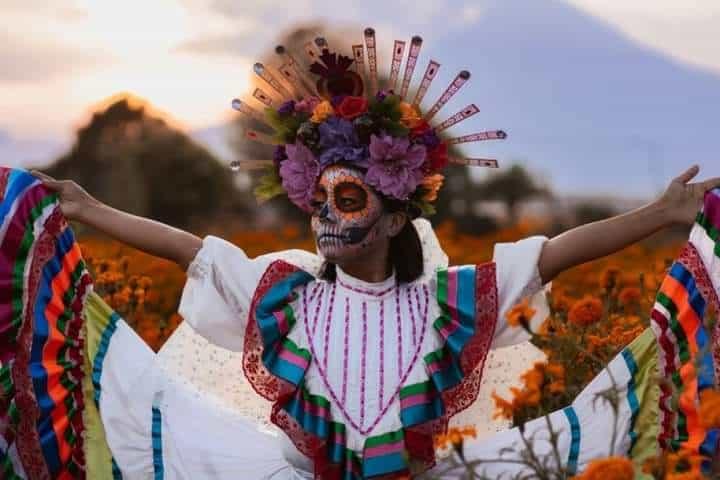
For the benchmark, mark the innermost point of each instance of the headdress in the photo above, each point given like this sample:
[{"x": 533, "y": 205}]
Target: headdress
[{"x": 334, "y": 112}]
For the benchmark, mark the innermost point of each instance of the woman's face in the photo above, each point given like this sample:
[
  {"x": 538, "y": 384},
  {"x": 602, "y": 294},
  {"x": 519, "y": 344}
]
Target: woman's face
[{"x": 348, "y": 216}]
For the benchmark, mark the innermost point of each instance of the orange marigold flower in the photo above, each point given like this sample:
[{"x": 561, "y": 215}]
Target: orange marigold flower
[
  {"x": 586, "y": 311},
  {"x": 521, "y": 314},
  {"x": 629, "y": 296},
  {"x": 611, "y": 468},
  {"x": 432, "y": 184},
  {"x": 557, "y": 386},
  {"x": 455, "y": 436},
  {"x": 409, "y": 115},
  {"x": 555, "y": 370},
  {"x": 503, "y": 408},
  {"x": 710, "y": 408}
]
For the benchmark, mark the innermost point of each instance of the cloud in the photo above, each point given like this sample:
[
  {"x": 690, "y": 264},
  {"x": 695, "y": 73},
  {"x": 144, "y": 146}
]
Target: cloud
[{"x": 32, "y": 62}]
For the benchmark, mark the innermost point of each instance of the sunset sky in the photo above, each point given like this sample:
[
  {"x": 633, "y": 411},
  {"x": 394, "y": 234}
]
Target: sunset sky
[{"x": 190, "y": 57}]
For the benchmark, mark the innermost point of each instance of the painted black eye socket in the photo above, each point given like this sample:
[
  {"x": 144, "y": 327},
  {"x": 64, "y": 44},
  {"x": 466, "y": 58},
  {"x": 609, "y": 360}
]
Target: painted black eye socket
[
  {"x": 350, "y": 197},
  {"x": 318, "y": 200}
]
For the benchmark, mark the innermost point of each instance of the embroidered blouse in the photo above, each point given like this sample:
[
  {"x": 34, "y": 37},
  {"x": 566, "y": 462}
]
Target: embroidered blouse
[{"x": 361, "y": 375}]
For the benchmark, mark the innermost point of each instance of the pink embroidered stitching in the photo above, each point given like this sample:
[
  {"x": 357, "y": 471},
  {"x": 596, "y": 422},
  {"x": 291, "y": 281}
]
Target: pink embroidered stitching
[
  {"x": 364, "y": 291},
  {"x": 364, "y": 364},
  {"x": 327, "y": 327},
  {"x": 381, "y": 390},
  {"x": 345, "y": 350}
]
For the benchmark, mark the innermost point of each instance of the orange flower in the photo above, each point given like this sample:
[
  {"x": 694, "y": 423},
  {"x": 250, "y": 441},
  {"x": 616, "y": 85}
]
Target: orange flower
[
  {"x": 455, "y": 437},
  {"x": 322, "y": 112},
  {"x": 629, "y": 296},
  {"x": 710, "y": 408},
  {"x": 409, "y": 115},
  {"x": 431, "y": 184},
  {"x": 503, "y": 408},
  {"x": 586, "y": 311},
  {"x": 521, "y": 314},
  {"x": 611, "y": 468}
]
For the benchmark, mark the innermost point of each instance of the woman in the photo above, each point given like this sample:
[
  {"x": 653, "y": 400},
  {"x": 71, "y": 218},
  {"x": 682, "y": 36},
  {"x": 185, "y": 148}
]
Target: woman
[{"x": 368, "y": 348}]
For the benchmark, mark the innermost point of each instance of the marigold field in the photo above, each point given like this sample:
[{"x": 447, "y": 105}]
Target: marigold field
[{"x": 595, "y": 310}]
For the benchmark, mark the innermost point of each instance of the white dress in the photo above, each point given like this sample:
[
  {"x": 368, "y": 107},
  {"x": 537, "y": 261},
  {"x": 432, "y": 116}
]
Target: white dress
[{"x": 371, "y": 345}]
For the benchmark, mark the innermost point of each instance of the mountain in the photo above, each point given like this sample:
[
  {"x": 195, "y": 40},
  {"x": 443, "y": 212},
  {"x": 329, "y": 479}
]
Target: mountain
[{"x": 581, "y": 102}]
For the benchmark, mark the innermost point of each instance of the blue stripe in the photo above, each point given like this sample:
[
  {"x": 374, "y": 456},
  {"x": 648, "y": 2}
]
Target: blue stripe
[
  {"x": 38, "y": 373},
  {"x": 706, "y": 372},
  {"x": 275, "y": 299},
  {"x": 313, "y": 424},
  {"x": 465, "y": 302},
  {"x": 18, "y": 182},
  {"x": 710, "y": 446},
  {"x": 384, "y": 464},
  {"x": 572, "y": 463},
  {"x": 632, "y": 395},
  {"x": 281, "y": 367},
  {"x": 157, "y": 443},
  {"x": 422, "y": 413},
  {"x": 100, "y": 356},
  {"x": 448, "y": 376}
]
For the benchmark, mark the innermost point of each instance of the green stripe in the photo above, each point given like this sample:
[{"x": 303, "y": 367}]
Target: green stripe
[
  {"x": 289, "y": 316},
  {"x": 290, "y": 345},
  {"x": 678, "y": 331},
  {"x": 21, "y": 259},
  {"x": 390, "y": 437},
  {"x": 711, "y": 230},
  {"x": 436, "y": 355},
  {"x": 6, "y": 382},
  {"x": 414, "y": 389},
  {"x": 318, "y": 400}
]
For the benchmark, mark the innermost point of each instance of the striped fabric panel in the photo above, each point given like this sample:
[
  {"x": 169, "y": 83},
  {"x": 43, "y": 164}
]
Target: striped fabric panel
[
  {"x": 158, "y": 468},
  {"x": 456, "y": 293},
  {"x": 384, "y": 454},
  {"x": 420, "y": 403}
]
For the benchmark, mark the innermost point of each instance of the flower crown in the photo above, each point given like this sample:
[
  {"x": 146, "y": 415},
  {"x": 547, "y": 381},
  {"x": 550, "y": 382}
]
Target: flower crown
[{"x": 327, "y": 115}]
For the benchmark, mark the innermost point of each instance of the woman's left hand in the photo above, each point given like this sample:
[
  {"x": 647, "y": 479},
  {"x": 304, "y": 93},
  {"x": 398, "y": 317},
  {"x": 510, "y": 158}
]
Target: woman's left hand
[{"x": 682, "y": 200}]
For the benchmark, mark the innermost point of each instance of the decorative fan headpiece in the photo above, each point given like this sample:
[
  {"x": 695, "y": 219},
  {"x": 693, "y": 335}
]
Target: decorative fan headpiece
[{"x": 329, "y": 115}]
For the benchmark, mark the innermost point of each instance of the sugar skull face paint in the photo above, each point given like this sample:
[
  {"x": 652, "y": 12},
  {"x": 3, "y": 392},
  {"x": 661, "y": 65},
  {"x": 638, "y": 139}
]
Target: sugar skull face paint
[{"x": 347, "y": 214}]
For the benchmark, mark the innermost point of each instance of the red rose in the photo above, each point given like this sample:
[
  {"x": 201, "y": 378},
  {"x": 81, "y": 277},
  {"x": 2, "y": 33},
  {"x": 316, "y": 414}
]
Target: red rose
[
  {"x": 352, "y": 107},
  {"x": 421, "y": 128},
  {"x": 437, "y": 158}
]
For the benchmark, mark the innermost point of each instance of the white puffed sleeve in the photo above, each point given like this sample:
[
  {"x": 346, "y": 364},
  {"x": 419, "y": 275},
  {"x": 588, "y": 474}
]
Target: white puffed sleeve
[
  {"x": 220, "y": 284},
  {"x": 518, "y": 277}
]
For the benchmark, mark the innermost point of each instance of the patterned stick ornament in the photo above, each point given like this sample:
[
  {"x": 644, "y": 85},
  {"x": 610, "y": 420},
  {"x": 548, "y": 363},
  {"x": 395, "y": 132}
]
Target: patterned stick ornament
[
  {"x": 292, "y": 79},
  {"x": 398, "y": 51},
  {"x": 296, "y": 72},
  {"x": 478, "y": 137},
  {"x": 247, "y": 165},
  {"x": 259, "y": 137},
  {"x": 359, "y": 56},
  {"x": 372, "y": 59},
  {"x": 262, "y": 97},
  {"x": 268, "y": 77},
  {"x": 451, "y": 90},
  {"x": 430, "y": 73},
  {"x": 466, "y": 112},
  {"x": 246, "y": 109},
  {"x": 474, "y": 162},
  {"x": 311, "y": 52},
  {"x": 415, "y": 45}
]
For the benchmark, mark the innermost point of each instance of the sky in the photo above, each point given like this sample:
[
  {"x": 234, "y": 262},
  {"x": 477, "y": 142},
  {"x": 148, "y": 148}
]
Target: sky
[{"x": 190, "y": 57}]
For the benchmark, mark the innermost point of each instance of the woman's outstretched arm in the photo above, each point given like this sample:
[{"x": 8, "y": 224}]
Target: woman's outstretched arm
[
  {"x": 677, "y": 205},
  {"x": 148, "y": 235}
]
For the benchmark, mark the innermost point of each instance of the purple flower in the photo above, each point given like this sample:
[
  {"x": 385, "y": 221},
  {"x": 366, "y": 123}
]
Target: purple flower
[
  {"x": 395, "y": 165},
  {"x": 287, "y": 107},
  {"x": 279, "y": 154},
  {"x": 337, "y": 100},
  {"x": 339, "y": 143},
  {"x": 381, "y": 94},
  {"x": 428, "y": 138},
  {"x": 299, "y": 173},
  {"x": 307, "y": 105}
]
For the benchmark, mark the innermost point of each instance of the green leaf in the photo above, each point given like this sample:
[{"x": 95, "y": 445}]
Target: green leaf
[{"x": 269, "y": 186}]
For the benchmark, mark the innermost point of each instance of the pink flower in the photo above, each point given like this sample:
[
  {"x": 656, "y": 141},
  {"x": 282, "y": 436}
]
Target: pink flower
[
  {"x": 395, "y": 166},
  {"x": 307, "y": 105},
  {"x": 299, "y": 174}
]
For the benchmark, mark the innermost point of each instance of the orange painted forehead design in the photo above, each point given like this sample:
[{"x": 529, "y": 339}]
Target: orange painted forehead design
[{"x": 345, "y": 192}]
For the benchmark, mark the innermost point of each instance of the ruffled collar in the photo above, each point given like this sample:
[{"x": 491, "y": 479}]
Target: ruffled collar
[{"x": 371, "y": 289}]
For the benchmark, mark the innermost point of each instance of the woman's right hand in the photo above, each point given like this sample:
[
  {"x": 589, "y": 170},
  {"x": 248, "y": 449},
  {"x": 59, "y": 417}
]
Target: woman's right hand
[{"x": 73, "y": 198}]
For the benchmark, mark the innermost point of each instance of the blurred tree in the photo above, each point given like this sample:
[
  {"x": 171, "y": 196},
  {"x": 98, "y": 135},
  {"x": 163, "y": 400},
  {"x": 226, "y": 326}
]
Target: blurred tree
[
  {"x": 135, "y": 161},
  {"x": 587, "y": 212},
  {"x": 512, "y": 187}
]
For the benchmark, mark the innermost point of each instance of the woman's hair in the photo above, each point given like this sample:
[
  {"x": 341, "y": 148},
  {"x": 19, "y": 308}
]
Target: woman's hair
[{"x": 405, "y": 252}]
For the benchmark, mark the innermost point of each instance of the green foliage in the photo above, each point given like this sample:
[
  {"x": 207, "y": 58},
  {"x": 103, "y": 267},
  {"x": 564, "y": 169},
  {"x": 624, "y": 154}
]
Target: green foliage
[{"x": 269, "y": 186}]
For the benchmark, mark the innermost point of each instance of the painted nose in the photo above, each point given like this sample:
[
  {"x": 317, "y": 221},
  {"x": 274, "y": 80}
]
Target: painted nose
[{"x": 326, "y": 214}]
